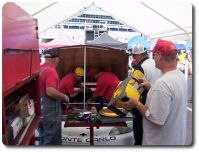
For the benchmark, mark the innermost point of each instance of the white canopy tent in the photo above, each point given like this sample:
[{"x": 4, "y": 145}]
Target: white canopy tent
[{"x": 152, "y": 19}]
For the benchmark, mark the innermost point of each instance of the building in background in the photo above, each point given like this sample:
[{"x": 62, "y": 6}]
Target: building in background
[{"x": 89, "y": 25}]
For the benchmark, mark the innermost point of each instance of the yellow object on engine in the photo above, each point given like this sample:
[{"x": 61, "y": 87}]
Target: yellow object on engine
[
  {"x": 127, "y": 88},
  {"x": 136, "y": 74},
  {"x": 130, "y": 92}
]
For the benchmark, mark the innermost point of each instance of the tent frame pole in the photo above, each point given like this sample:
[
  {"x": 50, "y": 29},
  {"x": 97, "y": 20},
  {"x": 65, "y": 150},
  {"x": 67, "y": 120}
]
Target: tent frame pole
[{"x": 84, "y": 77}]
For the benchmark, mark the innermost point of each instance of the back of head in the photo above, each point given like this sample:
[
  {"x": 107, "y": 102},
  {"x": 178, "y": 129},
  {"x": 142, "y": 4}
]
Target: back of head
[
  {"x": 138, "y": 49},
  {"x": 51, "y": 53},
  {"x": 79, "y": 71},
  {"x": 167, "y": 49}
]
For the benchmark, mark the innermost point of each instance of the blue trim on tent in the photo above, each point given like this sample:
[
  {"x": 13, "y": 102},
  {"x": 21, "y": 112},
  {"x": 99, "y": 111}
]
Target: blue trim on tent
[
  {"x": 189, "y": 45},
  {"x": 139, "y": 40},
  {"x": 181, "y": 46}
]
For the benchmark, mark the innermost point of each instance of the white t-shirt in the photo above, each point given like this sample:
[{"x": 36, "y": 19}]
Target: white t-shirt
[
  {"x": 151, "y": 73},
  {"x": 167, "y": 103}
]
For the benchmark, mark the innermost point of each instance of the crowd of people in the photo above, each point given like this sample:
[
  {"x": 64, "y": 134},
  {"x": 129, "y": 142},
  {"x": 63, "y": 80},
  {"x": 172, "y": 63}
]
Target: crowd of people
[{"x": 159, "y": 115}]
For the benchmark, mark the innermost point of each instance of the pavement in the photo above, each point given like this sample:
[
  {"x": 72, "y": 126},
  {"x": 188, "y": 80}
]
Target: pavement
[
  {"x": 189, "y": 139},
  {"x": 190, "y": 110}
]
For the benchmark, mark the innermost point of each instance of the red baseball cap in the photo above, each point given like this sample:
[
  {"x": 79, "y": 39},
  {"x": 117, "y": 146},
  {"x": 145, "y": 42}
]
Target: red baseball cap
[
  {"x": 92, "y": 72},
  {"x": 165, "y": 47}
]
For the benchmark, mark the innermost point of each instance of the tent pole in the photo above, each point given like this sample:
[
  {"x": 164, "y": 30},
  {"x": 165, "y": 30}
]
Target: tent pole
[
  {"x": 41, "y": 10},
  {"x": 84, "y": 77},
  {"x": 164, "y": 17}
]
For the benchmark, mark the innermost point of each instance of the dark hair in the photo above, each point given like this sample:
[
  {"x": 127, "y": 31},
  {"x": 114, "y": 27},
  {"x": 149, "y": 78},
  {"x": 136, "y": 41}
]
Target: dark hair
[{"x": 51, "y": 53}]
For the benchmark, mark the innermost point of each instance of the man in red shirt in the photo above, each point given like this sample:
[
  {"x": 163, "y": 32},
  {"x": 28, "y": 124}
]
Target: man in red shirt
[
  {"x": 51, "y": 98},
  {"x": 106, "y": 84},
  {"x": 70, "y": 81}
]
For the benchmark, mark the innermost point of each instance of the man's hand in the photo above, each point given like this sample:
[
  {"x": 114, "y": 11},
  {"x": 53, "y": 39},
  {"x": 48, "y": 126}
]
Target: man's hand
[
  {"x": 145, "y": 84},
  {"x": 131, "y": 103},
  {"x": 66, "y": 99},
  {"x": 81, "y": 90}
]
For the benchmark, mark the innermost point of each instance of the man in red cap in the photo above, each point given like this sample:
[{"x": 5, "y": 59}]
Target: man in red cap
[
  {"x": 91, "y": 74},
  {"x": 51, "y": 98},
  {"x": 164, "y": 121}
]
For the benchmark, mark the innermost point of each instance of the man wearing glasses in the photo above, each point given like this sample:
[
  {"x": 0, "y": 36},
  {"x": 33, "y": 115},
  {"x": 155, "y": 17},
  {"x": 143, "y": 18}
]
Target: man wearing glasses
[{"x": 151, "y": 73}]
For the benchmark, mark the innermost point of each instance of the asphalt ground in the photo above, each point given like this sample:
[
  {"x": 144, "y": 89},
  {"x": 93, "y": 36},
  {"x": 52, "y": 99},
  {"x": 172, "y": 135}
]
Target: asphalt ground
[
  {"x": 190, "y": 113},
  {"x": 190, "y": 130}
]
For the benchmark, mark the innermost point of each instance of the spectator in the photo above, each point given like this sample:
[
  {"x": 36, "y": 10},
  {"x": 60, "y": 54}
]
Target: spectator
[
  {"x": 50, "y": 124},
  {"x": 189, "y": 62},
  {"x": 182, "y": 57},
  {"x": 151, "y": 73},
  {"x": 165, "y": 111},
  {"x": 181, "y": 61}
]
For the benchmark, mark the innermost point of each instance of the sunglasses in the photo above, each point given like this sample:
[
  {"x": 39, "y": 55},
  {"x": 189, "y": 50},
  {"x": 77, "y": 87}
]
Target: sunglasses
[
  {"x": 134, "y": 55},
  {"x": 155, "y": 54}
]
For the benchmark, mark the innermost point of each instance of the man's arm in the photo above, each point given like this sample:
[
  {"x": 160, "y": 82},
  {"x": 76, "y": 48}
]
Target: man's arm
[
  {"x": 54, "y": 93},
  {"x": 73, "y": 94}
]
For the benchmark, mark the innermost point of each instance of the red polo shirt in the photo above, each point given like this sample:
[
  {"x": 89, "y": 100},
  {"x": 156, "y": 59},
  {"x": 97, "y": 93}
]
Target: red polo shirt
[
  {"x": 106, "y": 85},
  {"x": 48, "y": 78},
  {"x": 67, "y": 84}
]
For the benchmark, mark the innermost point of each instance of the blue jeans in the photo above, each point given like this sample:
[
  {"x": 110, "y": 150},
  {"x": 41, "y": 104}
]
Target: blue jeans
[{"x": 50, "y": 124}]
